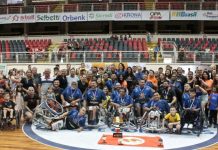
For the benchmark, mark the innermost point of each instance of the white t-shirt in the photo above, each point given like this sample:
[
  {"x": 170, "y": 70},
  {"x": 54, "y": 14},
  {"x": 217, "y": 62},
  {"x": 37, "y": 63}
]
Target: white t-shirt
[{"x": 71, "y": 79}]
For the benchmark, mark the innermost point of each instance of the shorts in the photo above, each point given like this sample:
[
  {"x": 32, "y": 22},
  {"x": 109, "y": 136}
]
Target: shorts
[
  {"x": 204, "y": 99},
  {"x": 124, "y": 110},
  {"x": 71, "y": 125}
]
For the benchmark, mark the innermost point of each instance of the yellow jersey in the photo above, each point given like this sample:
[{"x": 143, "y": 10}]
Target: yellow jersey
[
  {"x": 105, "y": 102},
  {"x": 171, "y": 118}
]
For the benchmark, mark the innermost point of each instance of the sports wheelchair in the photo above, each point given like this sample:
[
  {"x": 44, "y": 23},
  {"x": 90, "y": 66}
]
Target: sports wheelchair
[
  {"x": 152, "y": 121},
  {"x": 124, "y": 118},
  {"x": 101, "y": 117},
  {"x": 46, "y": 112},
  {"x": 197, "y": 121}
]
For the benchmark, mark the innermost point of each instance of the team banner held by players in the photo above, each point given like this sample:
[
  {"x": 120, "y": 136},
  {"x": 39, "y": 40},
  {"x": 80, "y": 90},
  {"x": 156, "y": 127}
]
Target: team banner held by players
[{"x": 155, "y": 15}]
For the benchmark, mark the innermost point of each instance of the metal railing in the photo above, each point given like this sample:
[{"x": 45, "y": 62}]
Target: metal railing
[
  {"x": 109, "y": 56},
  {"x": 80, "y": 7}
]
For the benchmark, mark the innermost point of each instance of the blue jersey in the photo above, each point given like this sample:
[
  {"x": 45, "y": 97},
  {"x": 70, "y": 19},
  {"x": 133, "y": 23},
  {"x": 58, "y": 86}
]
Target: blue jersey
[
  {"x": 71, "y": 94},
  {"x": 120, "y": 72},
  {"x": 150, "y": 84},
  {"x": 185, "y": 97},
  {"x": 176, "y": 84},
  {"x": 123, "y": 101},
  {"x": 161, "y": 104},
  {"x": 192, "y": 103},
  {"x": 139, "y": 76},
  {"x": 114, "y": 94},
  {"x": 95, "y": 96},
  {"x": 74, "y": 117},
  {"x": 110, "y": 84},
  {"x": 213, "y": 101},
  {"x": 146, "y": 90}
]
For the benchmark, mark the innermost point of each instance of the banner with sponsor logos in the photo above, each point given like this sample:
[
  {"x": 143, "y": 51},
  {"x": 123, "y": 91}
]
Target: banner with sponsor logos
[
  {"x": 185, "y": 15},
  {"x": 109, "y": 16},
  {"x": 100, "y": 16},
  {"x": 209, "y": 15},
  {"x": 74, "y": 17},
  {"x": 155, "y": 15},
  {"x": 127, "y": 15},
  {"x": 5, "y": 19},
  {"x": 22, "y": 18},
  {"x": 48, "y": 17}
]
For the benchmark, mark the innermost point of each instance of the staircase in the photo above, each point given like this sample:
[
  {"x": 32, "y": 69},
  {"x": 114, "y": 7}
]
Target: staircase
[{"x": 151, "y": 47}]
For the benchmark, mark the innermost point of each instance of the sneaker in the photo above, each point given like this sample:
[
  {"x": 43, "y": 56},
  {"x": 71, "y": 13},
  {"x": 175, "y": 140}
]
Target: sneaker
[
  {"x": 57, "y": 125},
  {"x": 190, "y": 126},
  {"x": 186, "y": 125}
]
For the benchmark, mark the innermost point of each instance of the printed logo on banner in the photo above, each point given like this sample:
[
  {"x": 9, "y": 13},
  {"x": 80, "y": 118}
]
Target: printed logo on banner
[
  {"x": 21, "y": 18},
  {"x": 184, "y": 14},
  {"x": 100, "y": 16},
  {"x": 91, "y": 15},
  {"x": 4, "y": 19},
  {"x": 211, "y": 15},
  {"x": 155, "y": 15},
  {"x": 47, "y": 17},
  {"x": 128, "y": 15},
  {"x": 74, "y": 17}
]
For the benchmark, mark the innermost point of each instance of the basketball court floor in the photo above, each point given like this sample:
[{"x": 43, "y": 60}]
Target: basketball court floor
[{"x": 103, "y": 140}]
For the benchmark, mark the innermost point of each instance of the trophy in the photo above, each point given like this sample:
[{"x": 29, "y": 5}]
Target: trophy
[{"x": 117, "y": 121}]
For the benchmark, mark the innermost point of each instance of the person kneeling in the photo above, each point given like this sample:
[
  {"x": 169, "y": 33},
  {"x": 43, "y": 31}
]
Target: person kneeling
[
  {"x": 74, "y": 119},
  {"x": 173, "y": 120}
]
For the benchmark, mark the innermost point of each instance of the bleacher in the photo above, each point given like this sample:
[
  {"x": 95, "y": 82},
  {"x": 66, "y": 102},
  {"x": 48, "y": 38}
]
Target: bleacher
[
  {"x": 109, "y": 47},
  {"x": 22, "y": 48}
]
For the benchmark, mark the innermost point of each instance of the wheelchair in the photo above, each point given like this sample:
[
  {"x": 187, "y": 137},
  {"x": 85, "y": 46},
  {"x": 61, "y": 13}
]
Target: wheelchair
[
  {"x": 124, "y": 118},
  {"x": 100, "y": 121},
  {"x": 8, "y": 123},
  {"x": 46, "y": 112},
  {"x": 198, "y": 123},
  {"x": 152, "y": 121}
]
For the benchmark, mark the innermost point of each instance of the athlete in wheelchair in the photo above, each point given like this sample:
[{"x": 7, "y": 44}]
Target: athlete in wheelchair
[
  {"x": 124, "y": 111},
  {"x": 93, "y": 102},
  {"x": 192, "y": 117},
  {"x": 72, "y": 96},
  {"x": 155, "y": 110}
]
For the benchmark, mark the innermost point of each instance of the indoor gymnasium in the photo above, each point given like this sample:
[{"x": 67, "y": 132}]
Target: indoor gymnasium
[{"x": 108, "y": 74}]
